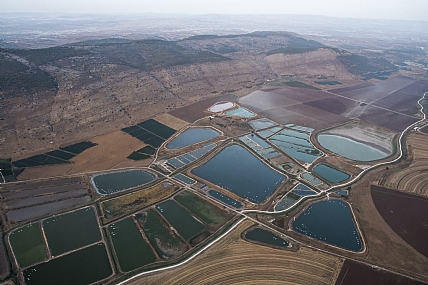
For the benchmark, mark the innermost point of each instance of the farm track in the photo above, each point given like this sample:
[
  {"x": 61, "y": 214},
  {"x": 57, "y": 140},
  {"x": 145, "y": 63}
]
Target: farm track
[{"x": 233, "y": 260}]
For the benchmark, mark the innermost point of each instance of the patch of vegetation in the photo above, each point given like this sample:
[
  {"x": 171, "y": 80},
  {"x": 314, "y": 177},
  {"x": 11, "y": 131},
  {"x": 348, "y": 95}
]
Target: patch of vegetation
[
  {"x": 17, "y": 77},
  {"x": 293, "y": 196},
  {"x": 291, "y": 50},
  {"x": 129, "y": 203},
  {"x": 223, "y": 49},
  {"x": 46, "y": 55},
  {"x": 154, "y": 54},
  {"x": 328, "y": 82},
  {"x": 367, "y": 67},
  {"x": 300, "y": 85}
]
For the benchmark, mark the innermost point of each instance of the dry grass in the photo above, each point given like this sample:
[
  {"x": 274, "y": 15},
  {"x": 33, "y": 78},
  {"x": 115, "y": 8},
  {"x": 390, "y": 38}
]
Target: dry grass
[
  {"x": 132, "y": 202},
  {"x": 233, "y": 260},
  {"x": 171, "y": 121}
]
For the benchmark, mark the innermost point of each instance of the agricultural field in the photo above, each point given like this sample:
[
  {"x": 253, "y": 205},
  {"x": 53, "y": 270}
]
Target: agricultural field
[
  {"x": 34, "y": 199},
  {"x": 354, "y": 273},
  {"x": 132, "y": 202},
  {"x": 248, "y": 262},
  {"x": 379, "y": 103},
  {"x": 409, "y": 176},
  {"x": 406, "y": 214}
]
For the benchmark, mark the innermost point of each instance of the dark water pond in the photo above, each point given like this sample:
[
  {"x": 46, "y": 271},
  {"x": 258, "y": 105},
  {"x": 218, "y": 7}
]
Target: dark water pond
[
  {"x": 192, "y": 136},
  {"x": 264, "y": 236},
  {"x": 122, "y": 180},
  {"x": 329, "y": 221},
  {"x": 330, "y": 174},
  {"x": 239, "y": 171}
]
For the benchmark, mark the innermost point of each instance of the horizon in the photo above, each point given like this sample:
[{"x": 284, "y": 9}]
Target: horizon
[{"x": 413, "y": 10}]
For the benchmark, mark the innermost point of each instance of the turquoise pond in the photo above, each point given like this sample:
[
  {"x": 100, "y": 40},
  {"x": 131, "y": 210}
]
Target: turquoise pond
[
  {"x": 240, "y": 112},
  {"x": 349, "y": 148},
  {"x": 192, "y": 136},
  {"x": 262, "y": 123},
  {"x": 330, "y": 174},
  {"x": 236, "y": 169},
  {"x": 112, "y": 182},
  {"x": 329, "y": 221}
]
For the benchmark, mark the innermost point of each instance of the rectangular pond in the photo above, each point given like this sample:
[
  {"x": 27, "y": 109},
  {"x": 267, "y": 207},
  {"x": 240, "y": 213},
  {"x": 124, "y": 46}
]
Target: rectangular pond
[
  {"x": 28, "y": 245},
  {"x": 239, "y": 171},
  {"x": 225, "y": 199},
  {"x": 330, "y": 174},
  {"x": 202, "y": 209},
  {"x": 132, "y": 251},
  {"x": 192, "y": 136},
  {"x": 262, "y": 123},
  {"x": 112, "y": 182},
  {"x": 70, "y": 231},
  {"x": 240, "y": 112},
  {"x": 85, "y": 266},
  {"x": 185, "y": 224},
  {"x": 265, "y": 237}
]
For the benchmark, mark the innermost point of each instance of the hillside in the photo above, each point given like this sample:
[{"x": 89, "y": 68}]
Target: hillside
[{"x": 70, "y": 93}]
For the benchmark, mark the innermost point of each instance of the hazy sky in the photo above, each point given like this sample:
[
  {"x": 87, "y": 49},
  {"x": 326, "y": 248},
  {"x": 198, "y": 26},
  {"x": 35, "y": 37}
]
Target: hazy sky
[{"x": 381, "y": 9}]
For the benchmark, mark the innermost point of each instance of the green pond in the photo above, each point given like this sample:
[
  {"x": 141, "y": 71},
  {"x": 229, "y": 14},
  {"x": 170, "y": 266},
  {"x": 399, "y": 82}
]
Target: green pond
[
  {"x": 85, "y": 266},
  {"x": 70, "y": 231},
  {"x": 28, "y": 245},
  {"x": 192, "y": 136},
  {"x": 329, "y": 221},
  {"x": 349, "y": 148},
  {"x": 132, "y": 251},
  {"x": 264, "y": 236},
  {"x": 112, "y": 182},
  {"x": 330, "y": 174},
  {"x": 239, "y": 171},
  {"x": 186, "y": 225},
  {"x": 167, "y": 244},
  {"x": 203, "y": 209}
]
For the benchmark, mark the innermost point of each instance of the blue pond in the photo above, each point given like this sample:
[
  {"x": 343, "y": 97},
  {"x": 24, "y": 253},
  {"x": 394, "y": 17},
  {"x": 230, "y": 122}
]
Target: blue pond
[
  {"x": 192, "y": 136},
  {"x": 239, "y": 171},
  {"x": 303, "y": 190},
  {"x": 225, "y": 199},
  {"x": 330, "y": 174},
  {"x": 331, "y": 222}
]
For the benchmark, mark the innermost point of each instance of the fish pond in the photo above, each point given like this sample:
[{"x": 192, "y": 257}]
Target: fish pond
[
  {"x": 185, "y": 224},
  {"x": 225, "y": 199},
  {"x": 262, "y": 123},
  {"x": 70, "y": 231},
  {"x": 311, "y": 179},
  {"x": 132, "y": 251},
  {"x": 113, "y": 182},
  {"x": 349, "y": 148},
  {"x": 85, "y": 266},
  {"x": 239, "y": 171},
  {"x": 263, "y": 236},
  {"x": 240, "y": 112},
  {"x": 303, "y": 190},
  {"x": 28, "y": 245},
  {"x": 330, "y": 174},
  {"x": 296, "y": 144},
  {"x": 329, "y": 221},
  {"x": 192, "y": 136}
]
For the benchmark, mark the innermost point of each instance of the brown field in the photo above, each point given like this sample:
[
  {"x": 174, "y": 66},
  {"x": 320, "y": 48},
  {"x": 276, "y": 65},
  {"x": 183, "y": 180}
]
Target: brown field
[
  {"x": 411, "y": 175},
  {"x": 111, "y": 152},
  {"x": 196, "y": 111},
  {"x": 233, "y": 260},
  {"x": 385, "y": 247},
  {"x": 132, "y": 202},
  {"x": 406, "y": 214},
  {"x": 354, "y": 273},
  {"x": 171, "y": 121}
]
